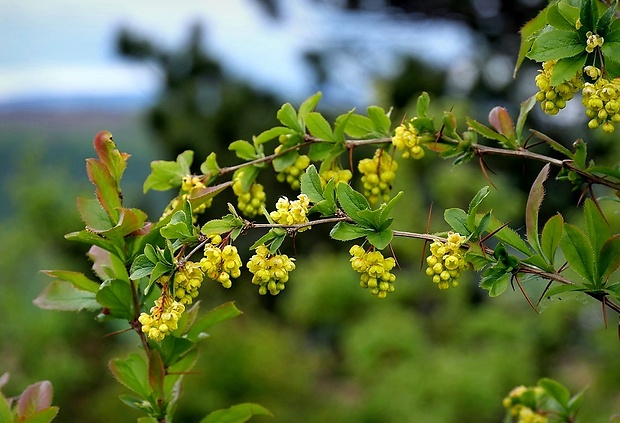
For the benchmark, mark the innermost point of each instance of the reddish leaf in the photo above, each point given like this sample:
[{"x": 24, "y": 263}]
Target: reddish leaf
[
  {"x": 501, "y": 121},
  {"x": 114, "y": 160},
  {"x": 35, "y": 398}
]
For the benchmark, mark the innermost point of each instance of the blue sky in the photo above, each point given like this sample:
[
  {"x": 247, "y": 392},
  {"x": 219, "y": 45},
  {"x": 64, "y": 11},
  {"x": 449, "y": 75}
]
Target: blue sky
[{"x": 66, "y": 47}]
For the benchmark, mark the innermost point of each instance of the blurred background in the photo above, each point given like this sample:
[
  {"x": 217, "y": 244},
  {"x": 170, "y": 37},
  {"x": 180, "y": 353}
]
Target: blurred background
[{"x": 164, "y": 77}]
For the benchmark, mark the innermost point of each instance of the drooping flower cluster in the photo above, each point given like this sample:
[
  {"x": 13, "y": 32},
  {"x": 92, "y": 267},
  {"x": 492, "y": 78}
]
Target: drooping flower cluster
[
  {"x": 553, "y": 98},
  {"x": 338, "y": 174},
  {"x": 524, "y": 413},
  {"x": 163, "y": 318},
  {"x": 375, "y": 270},
  {"x": 292, "y": 174},
  {"x": 378, "y": 175},
  {"x": 407, "y": 138},
  {"x": 270, "y": 270},
  {"x": 249, "y": 202},
  {"x": 446, "y": 261},
  {"x": 292, "y": 212},
  {"x": 189, "y": 184},
  {"x": 593, "y": 41},
  {"x": 221, "y": 263},
  {"x": 187, "y": 281},
  {"x": 601, "y": 100}
]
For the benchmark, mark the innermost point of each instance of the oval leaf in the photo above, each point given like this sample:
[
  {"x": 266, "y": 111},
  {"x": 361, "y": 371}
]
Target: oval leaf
[{"x": 578, "y": 252}]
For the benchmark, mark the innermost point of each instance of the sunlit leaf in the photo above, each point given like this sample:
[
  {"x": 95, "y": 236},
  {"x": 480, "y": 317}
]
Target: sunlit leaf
[
  {"x": 239, "y": 413},
  {"x": 64, "y": 296}
]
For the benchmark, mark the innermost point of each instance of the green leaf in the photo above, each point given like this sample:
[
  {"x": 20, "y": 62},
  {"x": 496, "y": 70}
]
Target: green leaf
[
  {"x": 422, "y": 104},
  {"x": 496, "y": 280},
  {"x": 288, "y": 117},
  {"x": 132, "y": 372},
  {"x": 209, "y": 166},
  {"x": 359, "y": 126},
  {"x": 527, "y": 36},
  {"x": 602, "y": 26},
  {"x": 319, "y": 151},
  {"x": 534, "y": 200},
  {"x": 106, "y": 188},
  {"x": 344, "y": 231},
  {"x": 219, "y": 226},
  {"x": 218, "y": 315},
  {"x": 248, "y": 176},
  {"x": 173, "y": 349},
  {"x": 562, "y": 289},
  {"x": 558, "y": 20},
  {"x": 115, "y": 295},
  {"x": 605, "y": 170},
  {"x": 570, "y": 13},
  {"x": 380, "y": 120},
  {"x": 555, "y": 44},
  {"x": 43, "y": 416},
  {"x": 5, "y": 412},
  {"x": 351, "y": 201},
  {"x": 311, "y": 184},
  {"x": 168, "y": 174},
  {"x": 64, "y": 296},
  {"x": 159, "y": 270},
  {"x": 588, "y": 15},
  {"x": 386, "y": 210},
  {"x": 141, "y": 267},
  {"x": 566, "y": 68},
  {"x": 578, "y": 252},
  {"x": 309, "y": 104},
  {"x": 609, "y": 258},
  {"x": 319, "y": 127},
  {"x": 380, "y": 239},
  {"x": 236, "y": 414},
  {"x": 487, "y": 132},
  {"x": 272, "y": 133},
  {"x": 156, "y": 372},
  {"x": 556, "y": 391},
  {"x": 526, "y": 107},
  {"x": 91, "y": 238},
  {"x": 107, "y": 265},
  {"x": 551, "y": 236},
  {"x": 508, "y": 236},
  {"x": 341, "y": 123},
  {"x": 77, "y": 279},
  {"x": 285, "y": 160},
  {"x": 243, "y": 149},
  {"x": 93, "y": 214},
  {"x": 473, "y": 207},
  {"x": 598, "y": 229},
  {"x": 457, "y": 219}
]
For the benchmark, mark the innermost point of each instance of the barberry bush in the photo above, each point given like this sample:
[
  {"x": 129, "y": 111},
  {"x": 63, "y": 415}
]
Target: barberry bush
[{"x": 150, "y": 270}]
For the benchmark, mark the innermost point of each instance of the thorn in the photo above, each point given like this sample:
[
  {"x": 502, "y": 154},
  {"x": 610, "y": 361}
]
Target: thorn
[
  {"x": 524, "y": 294},
  {"x": 483, "y": 167}
]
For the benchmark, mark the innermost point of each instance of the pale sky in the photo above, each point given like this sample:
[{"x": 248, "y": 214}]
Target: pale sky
[{"x": 66, "y": 47}]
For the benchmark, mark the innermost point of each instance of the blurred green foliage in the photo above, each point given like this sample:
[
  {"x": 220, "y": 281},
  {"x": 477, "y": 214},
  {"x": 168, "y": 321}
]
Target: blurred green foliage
[{"x": 324, "y": 349}]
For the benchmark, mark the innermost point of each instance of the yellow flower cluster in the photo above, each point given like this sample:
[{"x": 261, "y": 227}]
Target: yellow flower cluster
[
  {"x": 553, "y": 98},
  {"x": 270, "y": 270},
  {"x": 292, "y": 212},
  {"x": 189, "y": 184},
  {"x": 163, "y": 318},
  {"x": 601, "y": 100},
  {"x": 375, "y": 270},
  {"x": 187, "y": 281},
  {"x": 521, "y": 412},
  {"x": 407, "y": 138},
  {"x": 378, "y": 175},
  {"x": 446, "y": 261},
  {"x": 593, "y": 41},
  {"x": 292, "y": 174},
  {"x": 221, "y": 264},
  {"x": 338, "y": 175},
  {"x": 249, "y": 202}
]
